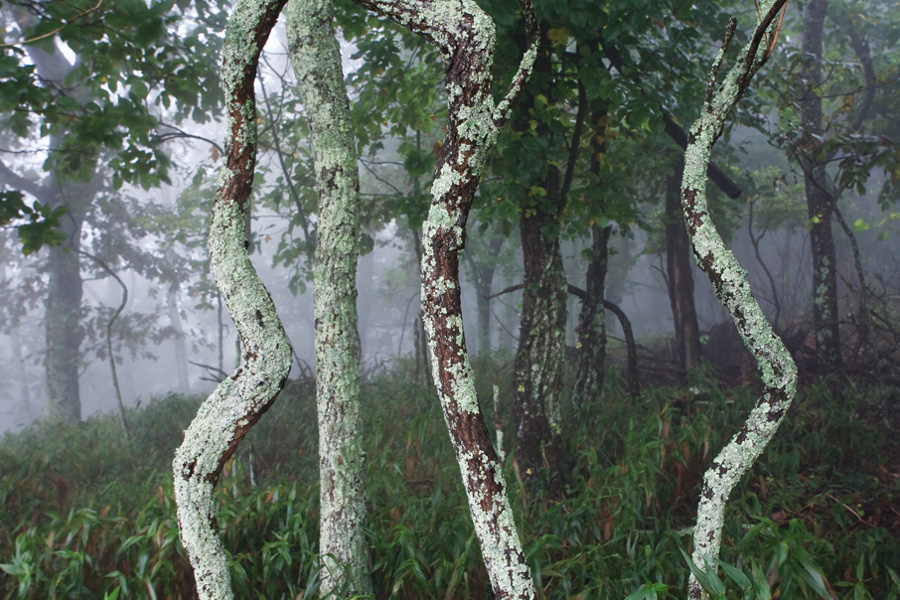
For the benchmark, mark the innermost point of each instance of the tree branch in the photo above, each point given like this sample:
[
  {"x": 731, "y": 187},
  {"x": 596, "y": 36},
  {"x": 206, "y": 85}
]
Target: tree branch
[{"x": 23, "y": 184}]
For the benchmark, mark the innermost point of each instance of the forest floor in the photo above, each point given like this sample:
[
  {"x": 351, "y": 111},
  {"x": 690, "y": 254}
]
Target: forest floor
[{"x": 85, "y": 512}]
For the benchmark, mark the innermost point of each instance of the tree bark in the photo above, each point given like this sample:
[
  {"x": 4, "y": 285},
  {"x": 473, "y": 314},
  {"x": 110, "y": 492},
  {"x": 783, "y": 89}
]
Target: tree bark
[
  {"x": 62, "y": 325},
  {"x": 539, "y": 358},
  {"x": 680, "y": 277},
  {"x": 316, "y": 60},
  {"x": 542, "y": 329},
  {"x": 591, "y": 329},
  {"x": 464, "y": 35},
  {"x": 241, "y": 399},
  {"x": 819, "y": 199},
  {"x": 779, "y": 374}
]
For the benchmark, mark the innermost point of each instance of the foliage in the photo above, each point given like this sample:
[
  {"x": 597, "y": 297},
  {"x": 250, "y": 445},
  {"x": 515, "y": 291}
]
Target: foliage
[
  {"x": 86, "y": 513},
  {"x": 41, "y": 221}
]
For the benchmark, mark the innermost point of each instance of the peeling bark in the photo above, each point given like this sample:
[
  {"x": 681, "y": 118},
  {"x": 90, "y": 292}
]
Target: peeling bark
[
  {"x": 779, "y": 374},
  {"x": 316, "y": 60},
  {"x": 241, "y": 399},
  {"x": 464, "y": 35}
]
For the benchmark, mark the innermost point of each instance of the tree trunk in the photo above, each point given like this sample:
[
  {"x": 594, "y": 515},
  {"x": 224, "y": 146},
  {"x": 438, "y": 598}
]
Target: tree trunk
[
  {"x": 62, "y": 323},
  {"x": 779, "y": 374},
  {"x": 819, "y": 200},
  {"x": 464, "y": 35},
  {"x": 484, "y": 280},
  {"x": 28, "y": 409},
  {"x": 680, "y": 277},
  {"x": 316, "y": 60},
  {"x": 591, "y": 329},
  {"x": 240, "y": 400},
  {"x": 539, "y": 358}
]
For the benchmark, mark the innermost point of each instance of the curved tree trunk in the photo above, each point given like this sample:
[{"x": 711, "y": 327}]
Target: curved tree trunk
[
  {"x": 316, "y": 59},
  {"x": 779, "y": 374},
  {"x": 464, "y": 35},
  {"x": 241, "y": 399}
]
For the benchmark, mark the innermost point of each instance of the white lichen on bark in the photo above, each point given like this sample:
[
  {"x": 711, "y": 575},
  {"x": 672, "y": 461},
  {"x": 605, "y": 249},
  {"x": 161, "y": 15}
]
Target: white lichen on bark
[
  {"x": 316, "y": 60},
  {"x": 779, "y": 374},
  {"x": 239, "y": 401},
  {"x": 464, "y": 36}
]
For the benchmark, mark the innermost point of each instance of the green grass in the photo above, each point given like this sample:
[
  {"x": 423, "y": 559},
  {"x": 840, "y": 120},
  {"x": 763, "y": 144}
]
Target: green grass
[{"x": 85, "y": 514}]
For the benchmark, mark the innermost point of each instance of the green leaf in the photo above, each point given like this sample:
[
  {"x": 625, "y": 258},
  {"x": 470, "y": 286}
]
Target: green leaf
[
  {"x": 736, "y": 575},
  {"x": 708, "y": 579}
]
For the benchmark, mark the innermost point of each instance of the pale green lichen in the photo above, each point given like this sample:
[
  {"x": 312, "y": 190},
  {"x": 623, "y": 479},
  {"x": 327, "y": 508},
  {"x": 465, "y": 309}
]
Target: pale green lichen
[
  {"x": 239, "y": 399},
  {"x": 476, "y": 131},
  {"x": 315, "y": 57},
  {"x": 777, "y": 368}
]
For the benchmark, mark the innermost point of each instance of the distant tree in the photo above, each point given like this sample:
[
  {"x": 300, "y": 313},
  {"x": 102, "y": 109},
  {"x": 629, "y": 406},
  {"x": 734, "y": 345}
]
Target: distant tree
[
  {"x": 90, "y": 117},
  {"x": 837, "y": 94}
]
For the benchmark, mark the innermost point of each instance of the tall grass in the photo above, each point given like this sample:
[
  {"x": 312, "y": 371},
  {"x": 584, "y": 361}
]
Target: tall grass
[{"x": 86, "y": 514}]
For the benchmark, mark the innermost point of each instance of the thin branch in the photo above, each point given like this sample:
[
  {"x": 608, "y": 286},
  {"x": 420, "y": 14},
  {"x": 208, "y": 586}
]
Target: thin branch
[
  {"x": 109, "y": 345},
  {"x": 13, "y": 179},
  {"x": 532, "y": 41},
  {"x": 83, "y": 13},
  {"x": 179, "y": 133},
  {"x": 288, "y": 177}
]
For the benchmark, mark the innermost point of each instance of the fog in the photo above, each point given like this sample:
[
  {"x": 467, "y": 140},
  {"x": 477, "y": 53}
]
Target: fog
[{"x": 388, "y": 284}]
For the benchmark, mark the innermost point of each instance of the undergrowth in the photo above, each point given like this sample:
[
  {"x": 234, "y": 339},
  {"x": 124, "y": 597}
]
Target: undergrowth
[{"x": 87, "y": 514}]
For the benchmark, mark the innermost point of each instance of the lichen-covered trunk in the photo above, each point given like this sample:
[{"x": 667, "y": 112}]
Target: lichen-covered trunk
[
  {"x": 539, "y": 358},
  {"x": 680, "y": 278},
  {"x": 316, "y": 60},
  {"x": 779, "y": 374},
  {"x": 464, "y": 36},
  {"x": 240, "y": 400},
  {"x": 819, "y": 201},
  {"x": 591, "y": 328}
]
